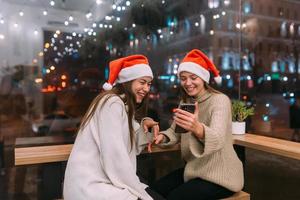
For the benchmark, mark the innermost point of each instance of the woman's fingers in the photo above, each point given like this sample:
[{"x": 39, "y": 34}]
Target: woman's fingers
[
  {"x": 148, "y": 124},
  {"x": 145, "y": 128},
  {"x": 183, "y": 112},
  {"x": 155, "y": 130},
  {"x": 183, "y": 123},
  {"x": 185, "y": 117},
  {"x": 149, "y": 147},
  {"x": 159, "y": 138}
]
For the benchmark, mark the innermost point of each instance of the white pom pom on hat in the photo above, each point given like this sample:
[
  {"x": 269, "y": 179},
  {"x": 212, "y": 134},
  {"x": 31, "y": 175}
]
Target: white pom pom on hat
[
  {"x": 127, "y": 69},
  {"x": 198, "y": 63},
  {"x": 218, "y": 80},
  {"x": 107, "y": 86}
]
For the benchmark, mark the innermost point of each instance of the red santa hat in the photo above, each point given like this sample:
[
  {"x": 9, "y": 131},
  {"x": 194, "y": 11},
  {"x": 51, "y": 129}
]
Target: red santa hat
[
  {"x": 127, "y": 69},
  {"x": 198, "y": 63}
]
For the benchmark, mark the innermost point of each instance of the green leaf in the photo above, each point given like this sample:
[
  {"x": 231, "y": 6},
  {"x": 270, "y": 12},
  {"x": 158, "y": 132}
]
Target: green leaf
[{"x": 240, "y": 111}]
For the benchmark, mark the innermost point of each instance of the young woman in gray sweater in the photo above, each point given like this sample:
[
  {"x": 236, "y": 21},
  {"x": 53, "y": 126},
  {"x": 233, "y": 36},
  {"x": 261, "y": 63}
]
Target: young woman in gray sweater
[{"x": 212, "y": 169}]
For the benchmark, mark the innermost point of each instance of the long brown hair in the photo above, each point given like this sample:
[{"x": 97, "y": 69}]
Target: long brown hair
[
  {"x": 188, "y": 99},
  {"x": 124, "y": 91}
]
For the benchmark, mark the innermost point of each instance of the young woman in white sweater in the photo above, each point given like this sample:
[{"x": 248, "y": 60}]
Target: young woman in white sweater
[
  {"x": 212, "y": 169},
  {"x": 102, "y": 164}
]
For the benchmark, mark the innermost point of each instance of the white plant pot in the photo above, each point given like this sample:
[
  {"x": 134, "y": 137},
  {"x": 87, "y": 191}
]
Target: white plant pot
[{"x": 238, "y": 128}]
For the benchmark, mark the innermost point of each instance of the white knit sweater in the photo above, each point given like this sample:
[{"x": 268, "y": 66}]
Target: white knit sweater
[
  {"x": 213, "y": 158},
  {"x": 101, "y": 165}
]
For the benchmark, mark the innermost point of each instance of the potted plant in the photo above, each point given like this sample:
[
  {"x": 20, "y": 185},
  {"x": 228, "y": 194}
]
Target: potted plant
[{"x": 240, "y": 112}]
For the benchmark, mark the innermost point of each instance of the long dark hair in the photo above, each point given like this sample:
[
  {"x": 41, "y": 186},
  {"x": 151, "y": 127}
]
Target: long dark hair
[
  {"x": 188, "y": 99},
  {"x": 124, "y": 91}
]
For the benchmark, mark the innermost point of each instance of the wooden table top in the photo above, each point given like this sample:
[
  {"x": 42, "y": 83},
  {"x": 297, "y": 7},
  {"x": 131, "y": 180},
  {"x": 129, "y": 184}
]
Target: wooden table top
[
  {"x": 272, "y": 145},
  {"x": 56, "y": 149}
]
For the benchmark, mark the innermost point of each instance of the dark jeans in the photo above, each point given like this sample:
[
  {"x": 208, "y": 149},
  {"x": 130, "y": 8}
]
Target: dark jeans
[
  {"x": 154, "y": 195},
  {"x": 173, "y": 187}
]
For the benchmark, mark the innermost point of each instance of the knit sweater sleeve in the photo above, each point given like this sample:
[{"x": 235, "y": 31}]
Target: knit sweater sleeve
[
  {"x": 114, "y": 152},
  {"x": 172, "y": 138},
  {"x": 215, "y": 130}
]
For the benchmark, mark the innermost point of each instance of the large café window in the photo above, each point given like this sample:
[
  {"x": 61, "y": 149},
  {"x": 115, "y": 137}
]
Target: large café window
[
  {"x": 54, "y": 59},
  {"x": 52, "y": 67}
]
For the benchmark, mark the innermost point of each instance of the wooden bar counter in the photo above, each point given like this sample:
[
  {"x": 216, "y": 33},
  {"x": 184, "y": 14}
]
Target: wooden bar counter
[{"x": 37, "y": 150}]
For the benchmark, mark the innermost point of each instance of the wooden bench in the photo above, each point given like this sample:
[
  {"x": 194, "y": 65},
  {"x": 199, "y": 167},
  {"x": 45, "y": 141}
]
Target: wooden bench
[{"x": 239, "y": 196}]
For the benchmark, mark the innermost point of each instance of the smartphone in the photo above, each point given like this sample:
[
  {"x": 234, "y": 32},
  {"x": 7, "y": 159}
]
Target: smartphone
[{"x": 187, "y": 107}]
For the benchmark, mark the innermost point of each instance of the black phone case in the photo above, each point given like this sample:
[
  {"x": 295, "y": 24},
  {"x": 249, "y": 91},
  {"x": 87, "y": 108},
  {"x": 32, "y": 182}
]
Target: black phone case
[{"x": 187, "y": 107}]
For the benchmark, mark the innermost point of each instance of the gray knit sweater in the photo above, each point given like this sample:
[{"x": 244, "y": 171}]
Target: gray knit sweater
[{"x": 213, "y": 158}]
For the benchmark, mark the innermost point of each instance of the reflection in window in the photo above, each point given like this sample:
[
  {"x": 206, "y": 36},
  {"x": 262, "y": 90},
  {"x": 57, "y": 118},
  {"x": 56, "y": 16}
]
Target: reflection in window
[
  {"x": 230, "y": 23},
  {"x": 237, "y": 62},
  {"x": 213, "y": 3},
  {"x": 246, "y": 63},
  {"x": 283, "y": 29},
  {"x": 231, "y": 62},
  {"x": 226, "y": 2},
  {"x": 250, "y": 83},
  {"x": 106, "y": 70},
  {"x": 202, "y": 24},
  {"x": 220, "y": 61},
  {"x": 219, "y": 25},
  {"x": 169, "y": 67},
  {"x": 292, "y": 29},
  {"x": 154, "y": 40},
  {"x": 225, "y": 61},
  {"x": 282, "y": 66},
  {"x": 280, "y": 12},
  {"x": 247, "y": 8},
  {"x": 187, "y": 26},
  {"x": 291, "y": 64},
  {"x": 230, "y": 83},
  {"x": 274, "y": 67}
]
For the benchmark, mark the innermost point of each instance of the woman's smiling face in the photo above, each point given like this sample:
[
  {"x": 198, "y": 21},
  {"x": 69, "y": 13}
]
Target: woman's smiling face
[
  {"x": 140, "y": 88},
  {"x": 192, "y": 84}
]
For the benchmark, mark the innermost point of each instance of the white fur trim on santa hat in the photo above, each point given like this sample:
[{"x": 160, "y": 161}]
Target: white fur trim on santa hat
[
  {"x": 134, "y": 72},
  {"x": 218, "y": 80},
  {"x": 195, "y": 69},
  {"x": 106, "y": 86}
]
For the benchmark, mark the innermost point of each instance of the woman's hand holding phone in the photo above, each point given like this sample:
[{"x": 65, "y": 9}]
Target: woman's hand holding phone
[{"x": 189, "y": 121}]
